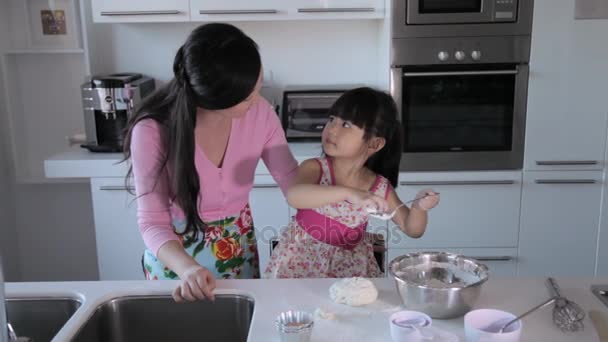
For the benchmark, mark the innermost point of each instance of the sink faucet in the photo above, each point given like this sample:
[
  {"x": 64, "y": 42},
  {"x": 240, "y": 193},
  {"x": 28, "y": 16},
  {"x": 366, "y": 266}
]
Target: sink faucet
[{"x": 3, "y": 318}]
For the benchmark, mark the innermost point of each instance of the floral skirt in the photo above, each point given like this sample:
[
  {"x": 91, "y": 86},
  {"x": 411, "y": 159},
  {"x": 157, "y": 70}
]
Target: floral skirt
[
  {"x": 228, "y": 249},
  {"x": 299, "y": 255}
]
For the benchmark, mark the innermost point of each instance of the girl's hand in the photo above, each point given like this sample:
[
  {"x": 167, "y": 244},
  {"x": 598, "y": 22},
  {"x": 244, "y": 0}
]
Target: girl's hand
[
  {"x": 367, "y": 200},
  {"x": 428, "y": 200},
  {"x": 196, "y": 283}
]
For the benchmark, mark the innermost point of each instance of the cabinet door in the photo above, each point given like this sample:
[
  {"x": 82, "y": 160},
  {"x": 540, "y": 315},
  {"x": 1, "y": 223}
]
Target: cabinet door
[
  {"x": 270, "y": 215},
  {"x": 338, "y": 9},
  {"x": 501, "y": 262},
  {"x": 140, "y": 11},
  {"x": 567, "y": 102},
  {"x": 477, "y": 209},
  {"x": 559, "y": 223},
  {"x": 119, "y": 243},
  {"x": 238, "y": 10}
]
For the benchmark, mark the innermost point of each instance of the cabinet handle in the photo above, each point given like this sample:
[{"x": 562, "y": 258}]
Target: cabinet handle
[
  {"x": 460, "y": 73},
  {"x": 565, "y": 181},
  {"x": 265, "y": 186},
  {"x": 336, "y": 10},
  {"x": 123, "y": 13},
  {"x": 241, "y": 11},
  {"x": 566, "y": 162},
  {"x": 493, "y": 258},
  {"x": 116, "y": 188},
  {"x": 432, "y": 183}
]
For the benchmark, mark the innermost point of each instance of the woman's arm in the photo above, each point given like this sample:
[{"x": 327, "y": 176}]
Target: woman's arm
[
  {"x": 151, "y": 186},
  {"x": 276, "y": 153},
  {"x": 154, "y": 218}
]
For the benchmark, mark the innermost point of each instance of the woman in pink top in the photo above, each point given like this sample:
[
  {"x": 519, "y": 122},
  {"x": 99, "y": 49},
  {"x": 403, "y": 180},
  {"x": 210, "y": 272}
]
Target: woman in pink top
[{"x": 194, "y": 146}]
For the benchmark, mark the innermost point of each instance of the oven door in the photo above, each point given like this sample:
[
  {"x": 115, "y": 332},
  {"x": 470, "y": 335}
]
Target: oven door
[
  {"x": 421, "y": 12},
  {"x": 461, "y": 117}
]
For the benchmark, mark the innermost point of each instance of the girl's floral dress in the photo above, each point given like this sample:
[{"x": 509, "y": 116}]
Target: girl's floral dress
[{"x": 301, "y": 253}]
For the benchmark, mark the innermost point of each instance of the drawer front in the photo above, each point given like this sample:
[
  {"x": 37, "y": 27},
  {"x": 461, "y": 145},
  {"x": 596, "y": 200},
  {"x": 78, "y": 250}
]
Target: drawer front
[{"x": 475, "y": 210}]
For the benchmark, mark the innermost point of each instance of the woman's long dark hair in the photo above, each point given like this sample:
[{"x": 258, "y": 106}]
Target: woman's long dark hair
[
  {"x": 217, "y": 67},
  {"x": 376, "y": 113}
]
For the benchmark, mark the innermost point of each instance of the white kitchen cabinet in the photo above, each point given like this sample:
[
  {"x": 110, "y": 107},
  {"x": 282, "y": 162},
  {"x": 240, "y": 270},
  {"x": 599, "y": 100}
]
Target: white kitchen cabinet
[
  {"x": 116, "y": 11},
  {"x": 239, "y": 10},
  {"x": 559, "y": 223},
  {"x": 477, "y": 209},
  {"x": 270, "y": 214},
  {"x": 501, "y": 262},
  {"x": 119, "y": 243},
  {"x": 567, "y": 103}
]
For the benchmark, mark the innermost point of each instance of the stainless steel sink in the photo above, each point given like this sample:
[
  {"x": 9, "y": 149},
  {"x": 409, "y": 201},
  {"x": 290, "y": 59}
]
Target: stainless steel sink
[
  {"x": 39, "y": 318},
  {"x": 160, "y": 318}
]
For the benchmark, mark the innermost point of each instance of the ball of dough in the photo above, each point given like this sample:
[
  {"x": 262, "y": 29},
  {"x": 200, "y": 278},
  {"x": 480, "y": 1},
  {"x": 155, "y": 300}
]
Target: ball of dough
[{"x": 353, "y": 291}]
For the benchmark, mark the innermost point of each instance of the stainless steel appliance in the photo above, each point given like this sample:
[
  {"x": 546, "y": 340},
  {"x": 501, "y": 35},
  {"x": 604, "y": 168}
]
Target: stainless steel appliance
[
  {"x": 462, "y": 98},
  {"x": 108, "y": 102},
  {"x": 461, "y": 18},
  {"x": 305, "y": 110}
]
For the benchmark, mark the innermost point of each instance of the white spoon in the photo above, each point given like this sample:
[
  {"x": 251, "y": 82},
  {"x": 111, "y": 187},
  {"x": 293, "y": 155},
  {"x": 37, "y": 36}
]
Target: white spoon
[{"x": 389, "y": 215}]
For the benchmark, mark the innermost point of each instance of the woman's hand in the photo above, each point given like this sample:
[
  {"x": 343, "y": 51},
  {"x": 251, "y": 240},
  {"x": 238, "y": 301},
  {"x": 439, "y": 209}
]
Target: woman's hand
[
  {"x": 428, "y": 199},
  {"x": 196, "y": 282},
  {"x": 367, "y": 200}
]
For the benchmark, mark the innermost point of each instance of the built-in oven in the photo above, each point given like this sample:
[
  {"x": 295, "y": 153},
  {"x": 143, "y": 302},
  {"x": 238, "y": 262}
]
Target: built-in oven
[
  {"x": 462, "y": 117},
  {"x": 462, "y": 99}
]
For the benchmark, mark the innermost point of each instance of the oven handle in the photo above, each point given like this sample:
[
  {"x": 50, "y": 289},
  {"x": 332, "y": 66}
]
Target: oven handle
[{"x": 460, "y": 73}]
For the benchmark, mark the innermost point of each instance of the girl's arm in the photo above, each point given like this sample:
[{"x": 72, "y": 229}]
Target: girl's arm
[
  {"x": 412, "y": 221},
  {"x": 306, "y": 193}
]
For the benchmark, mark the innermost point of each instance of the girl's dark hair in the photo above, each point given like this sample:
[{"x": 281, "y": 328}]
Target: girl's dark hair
[
  {"x": 376, "y": 113},
  {"x": 217, "y": 67}
]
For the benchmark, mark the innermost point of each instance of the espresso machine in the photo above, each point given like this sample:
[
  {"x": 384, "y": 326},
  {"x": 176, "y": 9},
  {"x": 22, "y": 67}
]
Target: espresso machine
[{"x": 108, "y": 102}]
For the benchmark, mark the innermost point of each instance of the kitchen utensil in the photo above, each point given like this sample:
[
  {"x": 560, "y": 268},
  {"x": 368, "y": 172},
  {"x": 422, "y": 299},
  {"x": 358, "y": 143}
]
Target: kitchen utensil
[
  {"x": 477, "y": 322},
  {"x": 410, "y": 326},
  {"x": 601, "y": 292},
  {"x": 501, "y": 326},
  {"x": 567, "y": 315},
  {"x": 294, "y": 326},
  {"x": 440, "y": 284},
  {"x": 389, "y": 215}
]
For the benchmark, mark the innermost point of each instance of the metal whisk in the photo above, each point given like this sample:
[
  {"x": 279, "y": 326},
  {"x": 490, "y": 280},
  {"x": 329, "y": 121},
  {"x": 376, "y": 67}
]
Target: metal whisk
[{"x": 567, "y": 315}]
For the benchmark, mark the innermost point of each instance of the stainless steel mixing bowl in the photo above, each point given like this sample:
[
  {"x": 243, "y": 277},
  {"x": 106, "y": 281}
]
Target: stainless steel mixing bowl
[{"x": 442, "y": 285}]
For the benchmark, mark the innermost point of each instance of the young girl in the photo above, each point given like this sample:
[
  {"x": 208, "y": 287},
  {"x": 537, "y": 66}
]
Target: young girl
[{"x": 362, "y": 148}]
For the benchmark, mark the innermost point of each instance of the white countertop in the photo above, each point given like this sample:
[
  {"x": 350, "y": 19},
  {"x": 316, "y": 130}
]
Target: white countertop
[
  {"x": 367, "y": 323},
  {"x": 80, "y": 163}
]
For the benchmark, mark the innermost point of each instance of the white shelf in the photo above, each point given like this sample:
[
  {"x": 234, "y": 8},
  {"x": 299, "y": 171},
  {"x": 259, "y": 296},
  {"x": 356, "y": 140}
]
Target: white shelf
[{"x": 43, "y": 51}]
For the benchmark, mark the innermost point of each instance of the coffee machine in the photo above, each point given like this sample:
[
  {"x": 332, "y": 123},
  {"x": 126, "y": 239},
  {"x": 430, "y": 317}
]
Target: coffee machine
[{"x": 108, "y": 102}]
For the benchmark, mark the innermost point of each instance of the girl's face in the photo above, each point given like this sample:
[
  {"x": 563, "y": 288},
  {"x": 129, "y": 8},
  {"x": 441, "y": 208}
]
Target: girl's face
[
  {"x": 239, "y": 110},
  {"x": 342, "y": 138}
]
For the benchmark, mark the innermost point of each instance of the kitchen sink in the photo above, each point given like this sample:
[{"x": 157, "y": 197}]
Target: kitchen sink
[
  {"x": 160, "y": 318},
  {"x": 39, "y": 318}
]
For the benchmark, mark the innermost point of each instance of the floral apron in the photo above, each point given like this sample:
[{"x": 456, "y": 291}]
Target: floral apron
[{"x": 228, "y": 249}]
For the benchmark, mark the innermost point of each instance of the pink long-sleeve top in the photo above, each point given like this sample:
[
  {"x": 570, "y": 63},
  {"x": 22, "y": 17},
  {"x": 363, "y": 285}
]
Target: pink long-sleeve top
[{"x": 225, "y": 190}]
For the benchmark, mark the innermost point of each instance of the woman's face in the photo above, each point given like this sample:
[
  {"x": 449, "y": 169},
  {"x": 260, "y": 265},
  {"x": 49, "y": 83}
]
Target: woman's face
[{"x": 240, "y": 109}]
